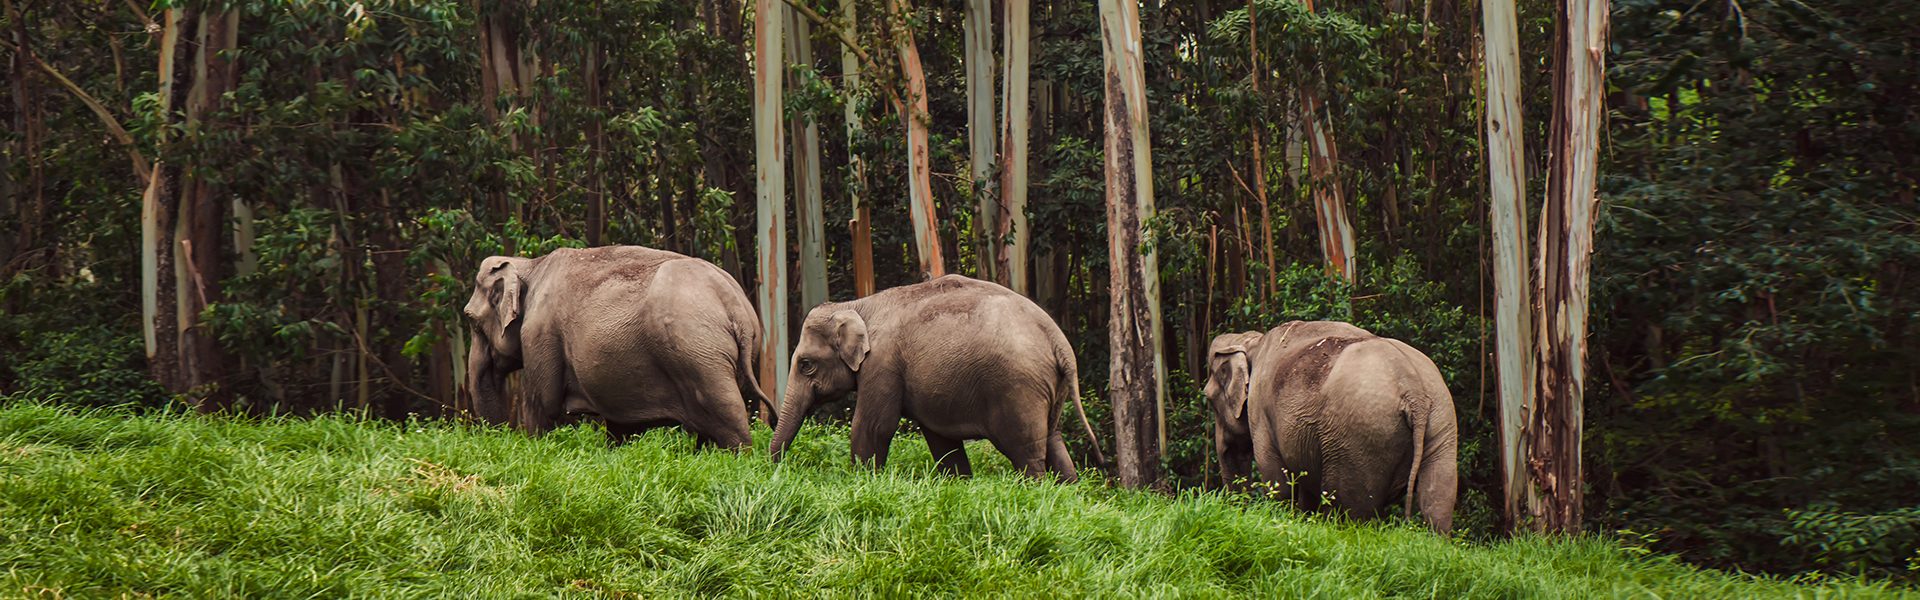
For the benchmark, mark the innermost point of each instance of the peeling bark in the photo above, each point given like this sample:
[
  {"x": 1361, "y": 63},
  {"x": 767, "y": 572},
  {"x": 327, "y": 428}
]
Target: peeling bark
[
  {"x": 977, "y": 29},
  {"x": 1010, "y": 224},
  {"x": 1137, "y": 373},
  {"x": 1507, "y": 184},
  {"x": 913, "y": 113},
  {"x": 861, "y": 226},
  {"x": 805, "y": 136},
  {"x": 1553, "y": 434},
  {"x": 770, "y": 183}
]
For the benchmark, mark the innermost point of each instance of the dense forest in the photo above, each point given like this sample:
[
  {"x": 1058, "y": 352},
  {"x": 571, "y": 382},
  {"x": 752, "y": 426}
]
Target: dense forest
[{"x": 301, "y": 192}]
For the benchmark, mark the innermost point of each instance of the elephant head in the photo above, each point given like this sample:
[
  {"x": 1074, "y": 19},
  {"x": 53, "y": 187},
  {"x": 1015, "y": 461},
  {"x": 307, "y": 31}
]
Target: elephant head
[
  {"x": 1229, "y": 374},
  {"x": 826, "y": 365},
  {"x": 494, "y": 313}
]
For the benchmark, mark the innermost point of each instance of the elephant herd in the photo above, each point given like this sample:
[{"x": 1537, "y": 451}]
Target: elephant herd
[{"x": 1331, "y": 415}]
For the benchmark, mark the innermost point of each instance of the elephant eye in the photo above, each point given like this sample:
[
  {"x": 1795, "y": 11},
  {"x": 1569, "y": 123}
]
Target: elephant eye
[{"x": 806, "y": 366}]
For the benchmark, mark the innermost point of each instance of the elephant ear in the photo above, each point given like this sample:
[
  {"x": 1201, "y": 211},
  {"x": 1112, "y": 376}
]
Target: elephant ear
[
  {"x": 1235, "y": 371},
  {"x": 503, "y": 285},
  {"x": 850, "y": 338},
  {"x": 1230, "y": 401}
]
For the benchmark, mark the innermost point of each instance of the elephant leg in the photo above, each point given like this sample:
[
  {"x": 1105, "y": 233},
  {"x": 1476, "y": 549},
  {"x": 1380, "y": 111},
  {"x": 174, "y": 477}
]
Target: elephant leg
[
  {"x": 1280, "y": 481},
  {"x": 875, "y": 419},
  {"x": 951, "y": 453},
  {"x": 1358, "y": 488},
  {"x": 1439, "y": 487},
  {"x": 719, "y": 417},
  {"x": 1058, "y": 461},
  {"x": 544, "y": 391},
  {"x": 1027, "y": 450},
  {"x": 1236, "y": 460}
]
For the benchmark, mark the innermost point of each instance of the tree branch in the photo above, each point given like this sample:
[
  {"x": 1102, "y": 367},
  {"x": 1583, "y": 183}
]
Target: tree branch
[
  {"x": 846, "y": 39},
  {"x": 140, "y": 166}
]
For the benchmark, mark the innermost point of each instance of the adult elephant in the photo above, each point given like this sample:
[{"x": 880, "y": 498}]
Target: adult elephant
[
  {"x": 963, "y": 358},
  {"x": 1334, "y": 414},
  {"x": 635, "y": 336}
]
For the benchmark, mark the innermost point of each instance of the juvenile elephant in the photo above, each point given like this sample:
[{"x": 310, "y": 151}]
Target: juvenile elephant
[
  {"x": 1326, "y": 407},
  {"x": 965, "y": 359},
  {"x": 636, "y": 336}
]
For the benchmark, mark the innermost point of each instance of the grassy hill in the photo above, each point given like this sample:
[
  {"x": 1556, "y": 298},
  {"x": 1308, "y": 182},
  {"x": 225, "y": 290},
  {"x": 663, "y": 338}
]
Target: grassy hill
[{"x": 105, "y": 504}]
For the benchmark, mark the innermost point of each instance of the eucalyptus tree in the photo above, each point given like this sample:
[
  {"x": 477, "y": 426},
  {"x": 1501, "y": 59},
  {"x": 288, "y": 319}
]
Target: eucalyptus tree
[
  {"x": 1507, "y": 186},
  {"x": 1137, "y": 379}
]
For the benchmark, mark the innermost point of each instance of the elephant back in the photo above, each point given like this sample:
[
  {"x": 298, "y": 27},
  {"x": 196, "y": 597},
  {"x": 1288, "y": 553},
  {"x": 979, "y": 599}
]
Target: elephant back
[
  {"x": 1304, "y": 365},
  {"x": 1299, "y": 354},
  {"x": 629, "y": 265}
]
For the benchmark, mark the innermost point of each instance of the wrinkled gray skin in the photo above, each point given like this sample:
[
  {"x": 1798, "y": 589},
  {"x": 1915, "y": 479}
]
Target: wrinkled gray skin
[
  {"x": 635, "y": 336},
  {"x": 1326, "y": 407},
  {"x": 965, "y": 359}
]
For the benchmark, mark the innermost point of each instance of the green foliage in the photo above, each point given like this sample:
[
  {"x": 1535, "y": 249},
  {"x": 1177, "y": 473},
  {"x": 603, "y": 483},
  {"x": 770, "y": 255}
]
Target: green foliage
[
  {"x": 1749, "y": 378},
  {"x": 91, "y": 366},
  {"x": 1752, "y": 377},
  {"x": 1848, "y": 542},
  {"x": 112, "y": 503}
]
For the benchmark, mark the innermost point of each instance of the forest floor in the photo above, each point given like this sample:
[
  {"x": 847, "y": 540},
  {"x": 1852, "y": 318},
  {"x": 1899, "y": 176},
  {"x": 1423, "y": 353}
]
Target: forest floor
[{"x": 109, "y": 503}]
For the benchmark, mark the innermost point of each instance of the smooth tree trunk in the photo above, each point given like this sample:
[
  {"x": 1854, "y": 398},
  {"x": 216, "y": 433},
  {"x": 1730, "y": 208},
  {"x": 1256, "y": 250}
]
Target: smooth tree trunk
[
  {"x": 1010, "y": 224},
  {"x": 1507, "y": 185},
  {"x": 861, "y": 225},
  {"x": 770, "y": 185},
  {"x": 157, "y": 206},
  {"x": 913, "y": 111},
  {"x": 1259, "y": 158},
  {"x": 1566, "y": 247},
  {"x": 977, "y": 29},
  {"x": 506, "y": 69},
  {"x": 805, "y": 133},
  {"x": 201, "y": 224},
  {"x": 1329, "y": 197},
  {"x": 1138, "y": 367}
]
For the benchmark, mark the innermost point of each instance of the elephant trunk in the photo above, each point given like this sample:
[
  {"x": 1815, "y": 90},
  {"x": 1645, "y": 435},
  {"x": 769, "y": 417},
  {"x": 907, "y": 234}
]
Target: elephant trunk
[
  {"x": 793, "y": 410},
  {"x": 486, "y": 384}
]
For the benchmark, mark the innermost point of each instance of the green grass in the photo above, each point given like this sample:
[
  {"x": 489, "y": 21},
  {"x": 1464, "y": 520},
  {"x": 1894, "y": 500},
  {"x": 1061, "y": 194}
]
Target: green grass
[{"x": 106, "y": 504}]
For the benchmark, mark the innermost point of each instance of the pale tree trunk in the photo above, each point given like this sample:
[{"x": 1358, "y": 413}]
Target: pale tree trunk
[
  {"x": 1010, "y": 226},
  {"x": 1259, "y": 160},
  {"x": 861, "y": 226},
  {"x": 913, "y": 111},
  {"x": 977, "y": 29},
  {"x": 1049, "y": 283},
  {"x": 157, "y": 204},
  {"x": 1329, "y": 199},
  {"x": 1566, "y": 248},
  {"x": 721, "y": 166},
  {"x": 805, "y": 132},
  {"x": 770, "y": 183},
  {"x": 1507, "y": 185},
  {"x": 1138, "y": 367},
  {"x": 505, "y": 69},
  {"x": 199, "y": 267}
]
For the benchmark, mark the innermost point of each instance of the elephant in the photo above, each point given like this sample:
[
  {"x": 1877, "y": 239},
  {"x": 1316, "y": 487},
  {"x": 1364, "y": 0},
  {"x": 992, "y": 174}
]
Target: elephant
[
  {"x": 637, "y": 337},
  {"x": 963, "y": 358},
  {"x": 1333, "y": 414}
]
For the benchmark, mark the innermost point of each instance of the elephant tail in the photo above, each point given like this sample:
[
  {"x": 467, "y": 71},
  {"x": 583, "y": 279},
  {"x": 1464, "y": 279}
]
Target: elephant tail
[
  {"x": 745, "y": 371},
  {"x": 1070, "y": 384},
  {"x": 1417, "y": 417}
]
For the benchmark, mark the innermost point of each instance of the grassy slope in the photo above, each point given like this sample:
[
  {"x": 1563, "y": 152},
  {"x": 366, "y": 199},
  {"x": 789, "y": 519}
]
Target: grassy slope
[{"x": 101, "y": 504}]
